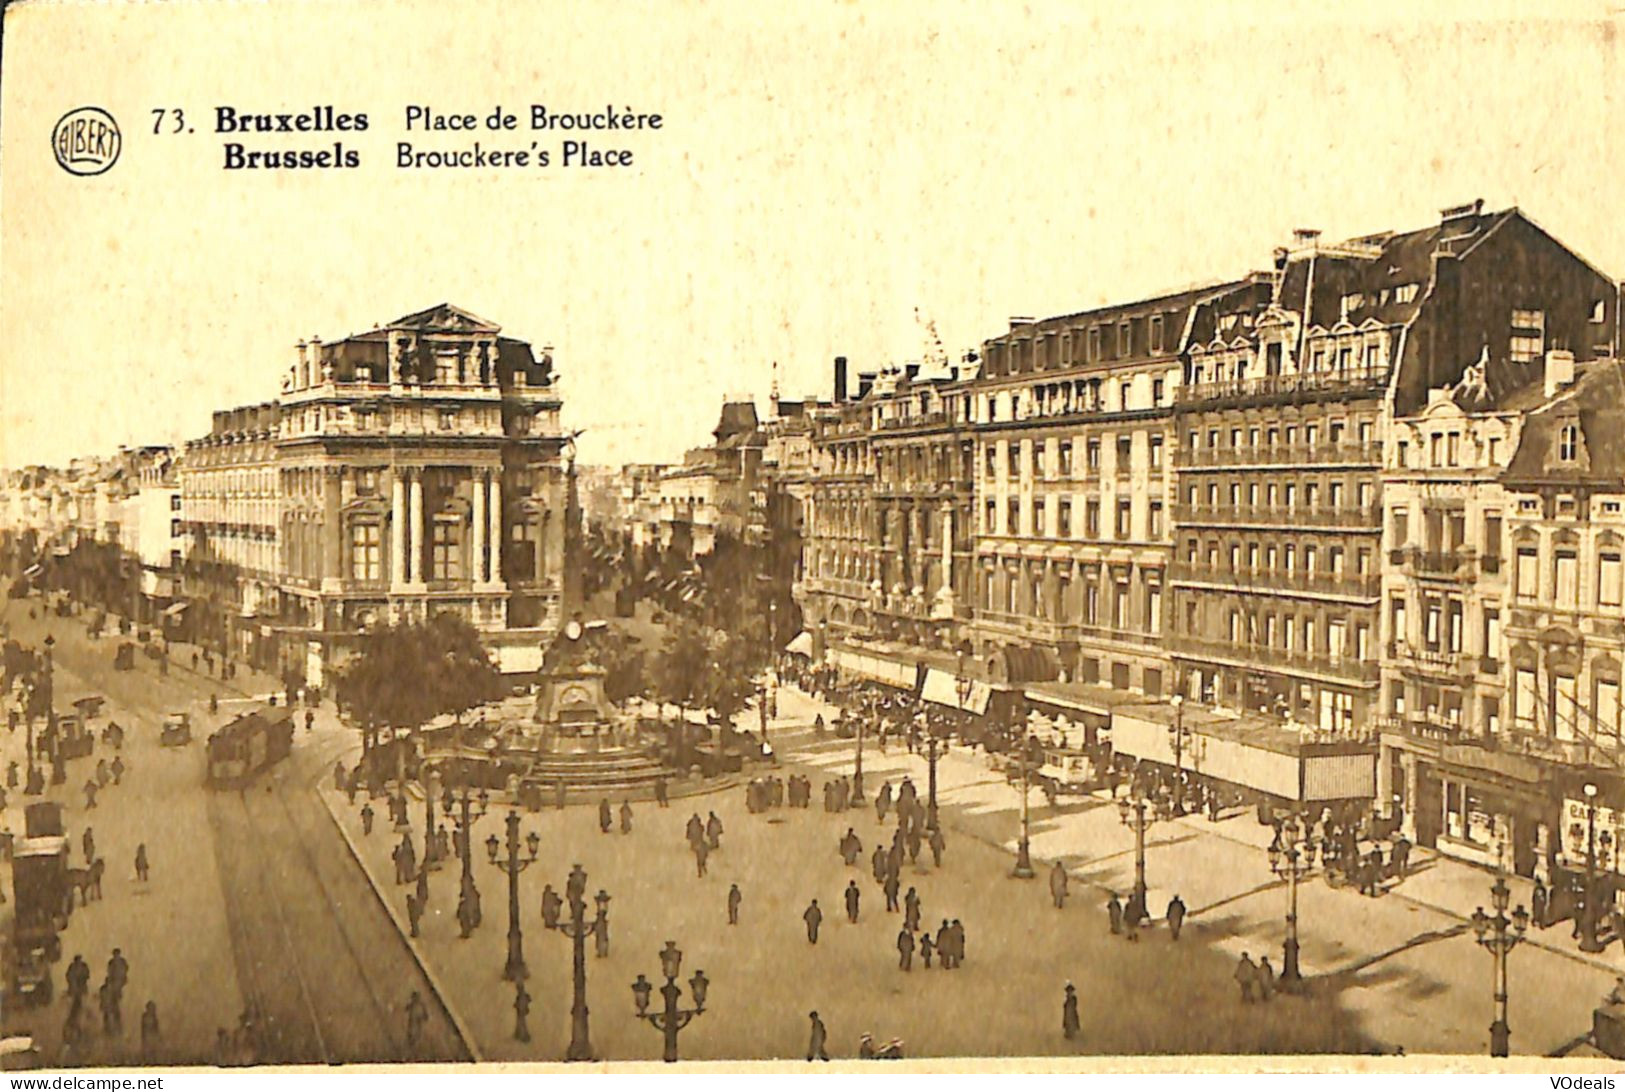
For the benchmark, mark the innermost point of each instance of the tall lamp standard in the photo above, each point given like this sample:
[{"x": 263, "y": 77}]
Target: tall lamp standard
[
  {"x": 1588, "y": 920},
  {"x": 1138, "y": 813},
  {"x": 673, "y": 1018},
  {"x": 1177, "y": 735},
  {"x": 1292, "y": 856},
  {"x": 578, "y": 929},
  {"x": 933, "y": 751},
  {"x": 431, "y": 847},
  {"x": 869, "y": 707},
  {"x": 459, "y": 804},
  {"x": 515, "y": 863},
  {"x": 1499, "y": 934},
  {"x": 1023, "y": 869},
  {"x": 59, "y": 768}
]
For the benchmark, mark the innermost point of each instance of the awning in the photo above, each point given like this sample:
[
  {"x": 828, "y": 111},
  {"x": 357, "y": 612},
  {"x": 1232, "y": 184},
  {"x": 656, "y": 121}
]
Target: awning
[
  {"x": 174, "y": 609},
  {"x": 800, "y": 645},
  {"x": 943, "y": 688}
]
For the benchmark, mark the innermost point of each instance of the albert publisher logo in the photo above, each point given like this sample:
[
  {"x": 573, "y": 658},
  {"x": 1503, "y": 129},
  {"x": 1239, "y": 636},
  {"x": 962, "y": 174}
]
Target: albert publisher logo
[{"x": 86, "y": 141}]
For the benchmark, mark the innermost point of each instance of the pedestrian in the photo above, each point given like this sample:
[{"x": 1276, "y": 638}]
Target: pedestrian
[
  {"x": 914, "y": 841},
  {"x": 905, "y": 950},
  {"x": 911, "y": 910},
  {"x": 310, "y": 720},
  {"x": 414, "y": 911},
  {"x": 1537, "y": 905},
  {"x": 118, "y": 973},
  {"x": 149, "y": 1031},
  {"x": 521, "y": 1009},
  {"x": 423, "y": 888},
  {"x": 1176, "y": 916},
  {"x": 1069, "y": 1013},
  {"x": 1114, "y": 911},
  {"x": 551, "y": 905},
  {"x": 850, "y": 847},
  {"x": 956, "y": 933},
  {"x": 118, "y": 769},
  {"x": 626, "y": 817},
  {"x": 879, "y": 864},
  {"x": 1246, "y": 975},
  {"x": 465, "y": 912},
  {"x": 1266, "y": 979},
  {"x": 195, "y": 657},
  {"x": 417, "y": 1016},
  {"x": 660, "y": 793},
  {"x": 883, "y": 801},
  {"x": 816, "y": 1043},
  {"x": 366, "y": 818},
  {"x": 945, "y": 946},
  {"x": 702, "y": 851},
  {"x": 695, "y": 830},
  {"x": 928, "y": 948},
  {"x": 90, "y": 793},
  {"x": 890, "y": 888},
  {"x": 1132, "y": 914},
  {"x": 713, "y": 831},
  {"x": 1058, "y": 885},
  {"x": 575, "y": 888},
  {"x": 734, "y": 898},
  {"x": 604, "y": 820},
  {"x": 88, "y": 842},
  {"x": 104, "y": 999},
  {"x": 852, "y": 897},
  {"x": 813, "y": 917},
  {"x": 937, "y": 846}
]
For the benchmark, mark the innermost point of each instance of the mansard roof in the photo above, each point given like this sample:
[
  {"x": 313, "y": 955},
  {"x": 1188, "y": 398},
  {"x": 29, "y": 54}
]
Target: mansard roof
[{"x": 1596, "y": 404}]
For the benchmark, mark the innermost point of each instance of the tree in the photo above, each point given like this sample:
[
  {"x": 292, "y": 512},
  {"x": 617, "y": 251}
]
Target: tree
[{"x": 407, "y": 675}]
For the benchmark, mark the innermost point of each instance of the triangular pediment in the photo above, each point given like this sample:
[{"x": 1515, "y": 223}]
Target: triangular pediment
[{"x": 444, "y": 317}]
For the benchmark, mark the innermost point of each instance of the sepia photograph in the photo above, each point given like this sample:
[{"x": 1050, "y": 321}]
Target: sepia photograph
[{"x": 1051, "y": 538}]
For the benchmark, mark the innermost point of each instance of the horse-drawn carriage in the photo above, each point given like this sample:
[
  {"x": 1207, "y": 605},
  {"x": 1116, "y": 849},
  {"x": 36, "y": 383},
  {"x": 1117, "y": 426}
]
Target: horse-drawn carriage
[
  {"x": 43, "y": 901},
  {"x": 73, "y": 738}
]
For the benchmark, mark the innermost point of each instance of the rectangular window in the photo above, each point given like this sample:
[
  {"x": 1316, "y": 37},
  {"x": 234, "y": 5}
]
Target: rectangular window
[
  {"x": 1125, "y": 512},
  {"x": 1528, "y": 340},
  {"x": 1012, "y": 525},
  {"x": 1092, "y": 454},
  {"x": 1156, "y": 452},
  {"x": 1608, "y": 712},
  {"x": 1608, "y": 580},
  {"x": 1064, "y": 513},
  {"x": 365, "y": 552},
  {"x": 1158, "y": 391},
  {"x": 1125, "y": 454},
  {"x": 1039, "y": 527},
  {"x": 1038, "y": 457},
  {"x": 1565, "y": 707},
  {"x": 1066, "y": 458},
  {"x": 1156, "y": 333},
  {"x": 1124, "y": 341},
  {"x": 1566, "y": 586},
  {"x": 1155, "y": 529},
  {"x": 992, "y": 460},
  {"x": 1528, "y": 573},
  {"x": 1091, "y": 519},
  {"x": 447, "y": 562},
  {"x": 1014, "y": 458},
  {"x": 1524, "y": 699}
]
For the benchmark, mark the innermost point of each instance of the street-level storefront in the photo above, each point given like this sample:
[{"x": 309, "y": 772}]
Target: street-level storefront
[{"x": 1471, "y": 802}]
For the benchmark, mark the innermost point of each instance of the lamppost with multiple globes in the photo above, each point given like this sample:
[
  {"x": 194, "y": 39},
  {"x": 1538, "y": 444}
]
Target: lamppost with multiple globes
[
  {"x": 1138, "y": 812},
  {"x": 465, "y": 807},
  {"x": 1177, "y": 736},
  {"x": 1499, "y": 934},
  {"x": 673, "y": 1018},
  {"x": 578, "y": 929},
  {"x": 868, "y": 710},
  {"x": 1292, "y": 856},
  {"x": 59, "y": 768},
  {"x": 1023, "y": 869},
  {"x": 934, "y": 748},
  {"x": 515, "y": 863}
]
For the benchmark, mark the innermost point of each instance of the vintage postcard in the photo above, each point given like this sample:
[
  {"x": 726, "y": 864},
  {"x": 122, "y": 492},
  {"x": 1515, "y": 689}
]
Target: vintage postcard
[{"x": 963, "y": 535}]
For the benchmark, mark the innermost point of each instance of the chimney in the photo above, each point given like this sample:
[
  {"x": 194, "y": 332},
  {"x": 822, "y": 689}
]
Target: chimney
[
  {"x": 1306, "y": 238},
  {"x": 912, "y": 371},
  {"x": 1559, "y": 370},
  {"x": 866, "y": 383},
  {"x": 840, "y": 379},
  {"x": 1460, "y": 212}
]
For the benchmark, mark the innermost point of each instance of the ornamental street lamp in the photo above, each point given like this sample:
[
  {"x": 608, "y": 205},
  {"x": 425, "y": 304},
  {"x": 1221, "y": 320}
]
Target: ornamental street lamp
[
  {"x": 673, "y": 1018},
  {"x": 934, "y": 748},
  {"x": 459, "y": 805},
  {"x": 578, "y": 929},
  {"x": 1292, "y": 856},
  {"x": 869, "y": 706},
  {"x": 1499, "y": 934},
  {"x": 431, "y": 845},
  {"x": 1139, "y": 813},
  {"x": 1177, "y": 735},
  {"x": 1023, "y": 869},
  {"x": 514, "y": 970},
  {"x": 59, "y": 768},
  {"x": 1588, "y": 915}
]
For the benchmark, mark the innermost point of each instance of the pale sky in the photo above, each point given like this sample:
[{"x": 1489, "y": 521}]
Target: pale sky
[{"x": 821, "y": 174}]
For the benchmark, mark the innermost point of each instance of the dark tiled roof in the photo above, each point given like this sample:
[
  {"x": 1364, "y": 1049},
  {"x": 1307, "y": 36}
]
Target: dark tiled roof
[
  {"x": 442, "y": 316},
  {"x": 737, "y": 417},
  {"x": 1596, "y": 403}
]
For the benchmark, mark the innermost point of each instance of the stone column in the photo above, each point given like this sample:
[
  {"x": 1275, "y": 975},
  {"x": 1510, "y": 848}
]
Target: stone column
[
  {"x": 397, "y": 528},
  {"x": 332, "y": 529},
  {"x": 948, "y": 545},
  {"x": 477, "y": 563},
  {"x": 414, "y": 537},
  {"x": 494, "y": 530}
]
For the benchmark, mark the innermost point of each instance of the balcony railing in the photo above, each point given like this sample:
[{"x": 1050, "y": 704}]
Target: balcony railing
[
  {"x": 1282, "y": 455},
  {"x": 1267, "y": 385},
  {"x": 1434, "y": 728},
  {"x": 1356, "y": 584},
  {"x": 1432, "y": 661},
  {"x": 1276, "y": 515},
  {"x": 1265, "y": 658}
]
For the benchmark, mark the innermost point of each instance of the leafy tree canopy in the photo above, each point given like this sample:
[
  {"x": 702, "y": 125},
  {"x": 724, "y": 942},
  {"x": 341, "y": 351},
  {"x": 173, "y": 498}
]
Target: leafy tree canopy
[{"x": 405, "y": 676}]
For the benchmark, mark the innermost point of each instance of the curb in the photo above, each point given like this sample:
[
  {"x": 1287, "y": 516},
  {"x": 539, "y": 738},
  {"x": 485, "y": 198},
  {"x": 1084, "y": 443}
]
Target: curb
[{"x": 405, "y": 934}]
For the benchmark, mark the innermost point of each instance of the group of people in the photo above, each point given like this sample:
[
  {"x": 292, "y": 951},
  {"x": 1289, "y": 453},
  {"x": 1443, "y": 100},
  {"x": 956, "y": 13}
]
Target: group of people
[
  {"x": 109, "y": 998},
  {"x": 764, "y": 793},
  {"x": 704, "y": 838}
]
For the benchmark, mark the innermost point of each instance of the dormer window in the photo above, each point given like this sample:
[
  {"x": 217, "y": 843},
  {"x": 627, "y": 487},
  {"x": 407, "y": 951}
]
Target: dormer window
[{"x": 1568, "y": 443}]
